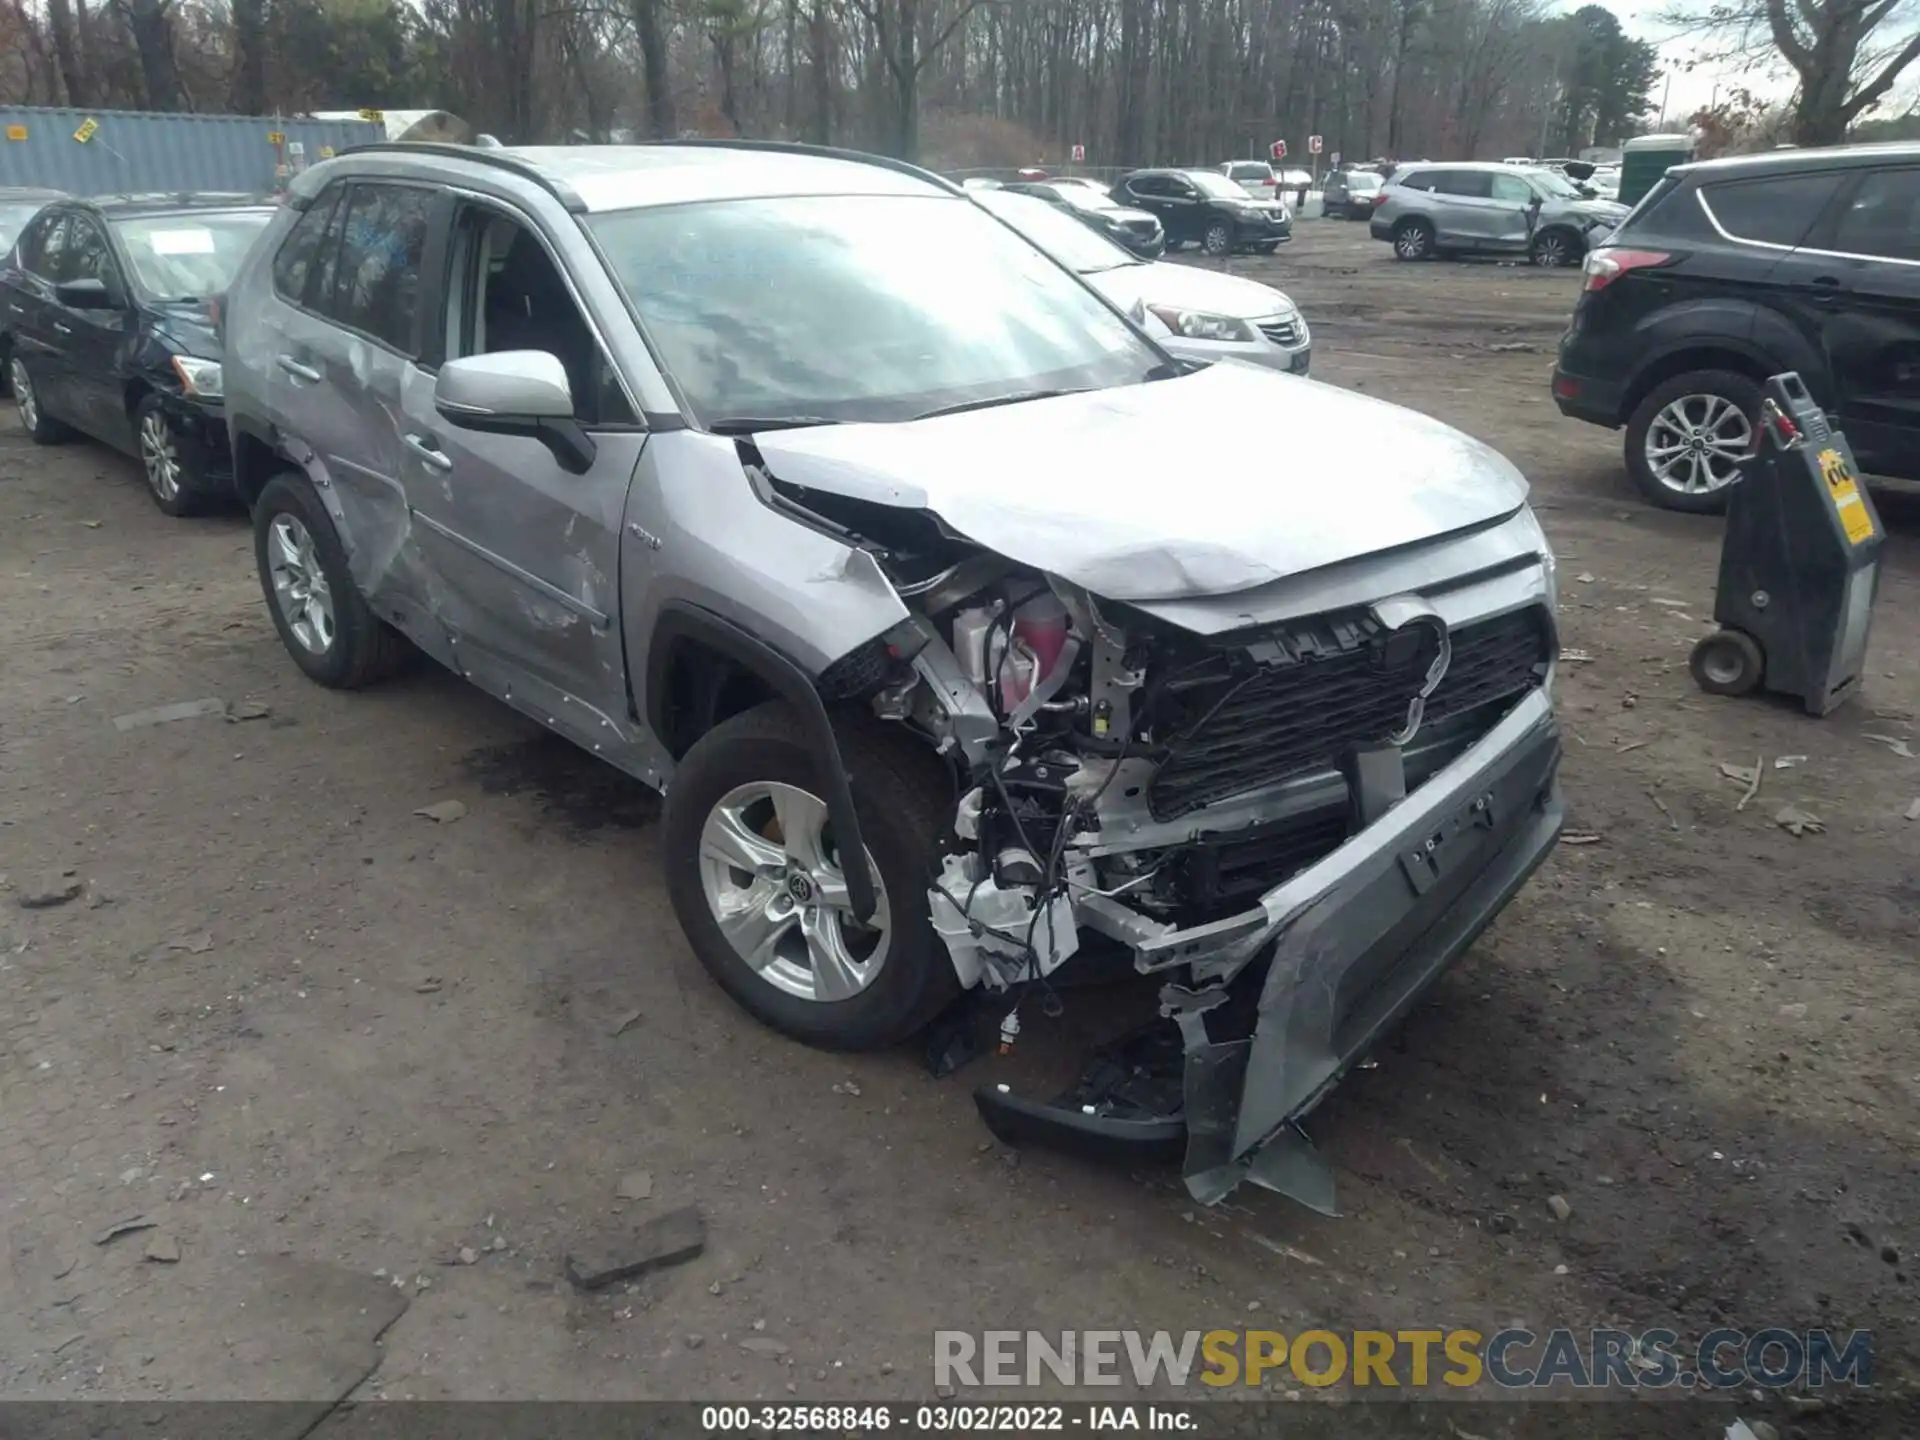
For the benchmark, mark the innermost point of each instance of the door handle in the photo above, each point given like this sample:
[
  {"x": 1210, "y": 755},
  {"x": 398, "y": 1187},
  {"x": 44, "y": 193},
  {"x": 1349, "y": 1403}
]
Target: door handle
[
  {"x": 432, "y": 454},
  {"x": 298, "y": 371}
]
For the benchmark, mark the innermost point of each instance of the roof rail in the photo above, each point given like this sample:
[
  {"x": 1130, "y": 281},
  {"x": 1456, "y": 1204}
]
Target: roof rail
[
  {"x": 824, "y": 152},
  {"x": 478, "y": 155}
]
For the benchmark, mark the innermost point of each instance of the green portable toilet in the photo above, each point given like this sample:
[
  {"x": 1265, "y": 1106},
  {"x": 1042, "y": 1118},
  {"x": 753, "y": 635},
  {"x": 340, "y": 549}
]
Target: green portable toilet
[{"x": 1645, "y": 159}]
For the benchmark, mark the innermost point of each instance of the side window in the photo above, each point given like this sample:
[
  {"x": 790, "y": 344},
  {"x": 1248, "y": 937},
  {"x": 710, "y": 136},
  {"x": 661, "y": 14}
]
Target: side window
[
  {"x": 376, "y": 287},
  {"x": 50, "y": 261},
  {"x": 1149, "y": 185},
  {"x": 1778, "y": 210},
  {"x": 1513, "y": 189},
  {"x": 1467, "y": 184},
  {"x": 30, "y": 240},
  {"x": 1421, "y": 180},
  {"x": 293, "y": 262},
  {"x": 88, "y": 256},
  {"x": 1883, "y": 218},
  {"x": 508, "y": 294}
]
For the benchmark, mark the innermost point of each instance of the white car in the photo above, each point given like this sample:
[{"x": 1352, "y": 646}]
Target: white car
[{"x": 1195, "y": 313}]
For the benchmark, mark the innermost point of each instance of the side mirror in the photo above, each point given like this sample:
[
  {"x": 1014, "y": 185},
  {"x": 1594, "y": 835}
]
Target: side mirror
[
  {"x": 87, "y": 294},
  {"x": 516, "y": 392}
]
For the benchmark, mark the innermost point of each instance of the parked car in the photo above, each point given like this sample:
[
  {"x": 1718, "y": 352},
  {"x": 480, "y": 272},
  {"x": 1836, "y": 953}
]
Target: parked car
[
  {"x": 1731, "y": 271},
  {"x": 1205, "y": 315},
  {"x": 1351, "y": 193},
  {"x": 1205, "y": 208},
  {"x": 797, "y": 484},
  {"x": 1488, "y": 209},
  {"x": 1135, "y": 230},
  {"x": 1256, "y": 177},
  {"x": 18, "y": 205},
  {"x": 113, "y": 304}
]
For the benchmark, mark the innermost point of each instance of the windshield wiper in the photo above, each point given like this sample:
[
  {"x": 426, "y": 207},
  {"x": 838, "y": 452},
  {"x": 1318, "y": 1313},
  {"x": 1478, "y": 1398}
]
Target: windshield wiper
[
  {"x": 1018, "y": 397},
  {"x": 748, "y": 424}
]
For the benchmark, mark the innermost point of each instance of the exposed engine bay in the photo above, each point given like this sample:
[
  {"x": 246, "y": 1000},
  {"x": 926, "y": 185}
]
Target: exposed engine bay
[{"x": 1134, "y": 787}]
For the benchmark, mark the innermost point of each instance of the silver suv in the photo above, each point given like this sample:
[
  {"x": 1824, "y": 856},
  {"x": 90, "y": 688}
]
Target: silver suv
[
  {"x": 961, "y": 637},
  {"x": 1488, "y": 209}
]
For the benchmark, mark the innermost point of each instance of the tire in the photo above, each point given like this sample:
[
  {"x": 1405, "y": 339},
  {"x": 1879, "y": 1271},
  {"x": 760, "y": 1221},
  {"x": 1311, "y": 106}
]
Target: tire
[
  {"x": 1555, "y": 249},
  {"x": 1218, "y": 239},
  {"x": 1413, "y": 240},
  {"x": 905, "y": 804},
  {"x": 1727, "y": 662},
  {"x": 6, "y": 368},
  {"x": 356, "y": 647},
  {"x": 1661, "y": 420},
  {"x": 41, "y": 427},
  {"x": 171, "y": 483}
]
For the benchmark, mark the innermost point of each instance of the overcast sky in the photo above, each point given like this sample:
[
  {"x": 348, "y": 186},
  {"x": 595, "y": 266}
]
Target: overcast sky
[{"x": 1691, "y": 89}]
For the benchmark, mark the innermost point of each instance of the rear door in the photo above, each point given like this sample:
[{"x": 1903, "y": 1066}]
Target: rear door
[
  {"x": 346, "y": 313},
  {"x": 1864, "y": 259},
  {"x": 1463, "y": 209},
  {"x": 39, "y": 334},
  {"x": 96, "y": 341}
]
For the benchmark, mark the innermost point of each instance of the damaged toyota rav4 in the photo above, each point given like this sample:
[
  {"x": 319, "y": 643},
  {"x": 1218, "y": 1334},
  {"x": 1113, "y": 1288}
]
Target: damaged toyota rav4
[{"x": 806, "y": 491}]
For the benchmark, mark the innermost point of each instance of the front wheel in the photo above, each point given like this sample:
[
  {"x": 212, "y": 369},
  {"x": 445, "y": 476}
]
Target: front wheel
[
  {"x": 1413, "y": 240},
  {"x": 173, "y": 488},
  {"x": 758, "y": 880},
  {"x": 323, "y": 619},
  {"x": 1218, "y": 239},
  {"x": 1555, "y": 249},
  {"x": 1686, "y": 439}
]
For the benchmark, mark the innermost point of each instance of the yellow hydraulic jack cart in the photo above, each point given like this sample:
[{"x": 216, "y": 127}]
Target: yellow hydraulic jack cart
[{"x": 1799, "y": 565}]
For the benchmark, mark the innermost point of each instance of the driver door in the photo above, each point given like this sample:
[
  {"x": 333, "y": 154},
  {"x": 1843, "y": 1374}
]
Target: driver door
[
  {"x": 96, "y": 340},
  {"x": 526, "y": 551},
  {"x": 1512, "y": 214}
]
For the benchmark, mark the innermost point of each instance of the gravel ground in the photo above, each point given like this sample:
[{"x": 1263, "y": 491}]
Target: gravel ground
[{"x": 333, "y": 1049}]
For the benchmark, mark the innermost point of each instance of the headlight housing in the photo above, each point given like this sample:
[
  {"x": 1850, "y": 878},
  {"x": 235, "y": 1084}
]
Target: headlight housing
[
  {"x": 199, "y": 378},
  {"x": 1198, "y": 325}
]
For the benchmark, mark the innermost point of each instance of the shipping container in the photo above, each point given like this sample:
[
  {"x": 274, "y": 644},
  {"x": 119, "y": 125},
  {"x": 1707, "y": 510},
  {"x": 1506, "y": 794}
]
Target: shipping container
[{"x": 115, "y": 152}]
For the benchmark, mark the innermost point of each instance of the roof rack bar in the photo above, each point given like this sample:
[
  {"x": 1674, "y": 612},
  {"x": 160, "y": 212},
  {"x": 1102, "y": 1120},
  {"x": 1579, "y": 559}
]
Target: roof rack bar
[
  {"x": 479, "y": 155},
  {"x": 800, "y": 147}
]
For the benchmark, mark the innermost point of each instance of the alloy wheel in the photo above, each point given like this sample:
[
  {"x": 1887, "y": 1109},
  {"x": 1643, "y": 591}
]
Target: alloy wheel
[
  {"x": 300, "y": 587},
  {"x": 23, "y": 396},
  {"x": 160, "y": 456},
  {"x": 774, "y": 885},
  {"x": 1551, "y": 251},
  {"x": 1411, "y": 243},
  {"x": 1696, "y": 443},
  {"x": 1218, "y": 240}
]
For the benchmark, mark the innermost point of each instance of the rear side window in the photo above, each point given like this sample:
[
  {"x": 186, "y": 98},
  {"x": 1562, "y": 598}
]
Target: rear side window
[
  {"x": 1777, "y": 210},
  {"x": 376, "y": 287},
  {"x": 293, "y": 264},
  {"x": 1883, "y": 218},
  {"x": 1470, "y": 184},
  {"x": 49, "y": 248},
  {"x": 1417, "y": 180}
]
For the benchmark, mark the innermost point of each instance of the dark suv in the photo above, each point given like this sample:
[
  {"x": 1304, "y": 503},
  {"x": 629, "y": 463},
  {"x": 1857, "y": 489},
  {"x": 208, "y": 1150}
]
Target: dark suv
[
  {"x": 1207, "y": 209},
  {"x": 1733, "y": 270}
]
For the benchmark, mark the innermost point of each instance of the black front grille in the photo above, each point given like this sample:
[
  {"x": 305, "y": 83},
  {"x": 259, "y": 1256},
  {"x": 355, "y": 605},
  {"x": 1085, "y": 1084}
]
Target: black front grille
[
  {"x": 1252, "y": 729},
  {"x": 1145, "y": 229},
  {"x": 1281, "y": 332},
  {"x": 1220, "y": 876}
]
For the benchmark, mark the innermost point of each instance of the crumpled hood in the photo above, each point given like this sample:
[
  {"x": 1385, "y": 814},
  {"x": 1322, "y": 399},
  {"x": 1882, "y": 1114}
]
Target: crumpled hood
[
  {"x": 1189, "y": 287},
  {"x": 1145, "y": 492}
]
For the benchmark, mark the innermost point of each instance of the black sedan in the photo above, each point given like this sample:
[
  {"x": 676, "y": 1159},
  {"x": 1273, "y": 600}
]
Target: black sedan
[
  {"x": 112, "y": 309},
  {"x": 1134, "y": 231}
]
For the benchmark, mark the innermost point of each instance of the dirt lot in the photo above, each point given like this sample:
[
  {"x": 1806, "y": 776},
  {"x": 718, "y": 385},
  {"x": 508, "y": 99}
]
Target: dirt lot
[{"x": 288, "y": 1017}]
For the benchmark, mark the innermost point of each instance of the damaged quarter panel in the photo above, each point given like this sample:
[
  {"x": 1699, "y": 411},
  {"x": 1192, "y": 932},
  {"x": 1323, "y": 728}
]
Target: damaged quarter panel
[{"x": 698, "y": 533}]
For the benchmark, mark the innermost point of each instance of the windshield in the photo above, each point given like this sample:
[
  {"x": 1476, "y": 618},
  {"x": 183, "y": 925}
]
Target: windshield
[
  {"x": 14, "y": 216},
  {"x": 189, "y": 257},
  {"x": 1218, "y": 186},
  {"x": 859, "y": 307},
  {"x": 1554, "y": 185},
  {"x": 1061, "y": 236}
]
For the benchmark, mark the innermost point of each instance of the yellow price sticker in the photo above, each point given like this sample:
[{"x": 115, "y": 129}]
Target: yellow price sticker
[
  {"x": 1847, "y": 501},
  {"x": 326, "y": 152},
  {"x": 16, "y": 132},
  {"x": 86, "y": 131}
]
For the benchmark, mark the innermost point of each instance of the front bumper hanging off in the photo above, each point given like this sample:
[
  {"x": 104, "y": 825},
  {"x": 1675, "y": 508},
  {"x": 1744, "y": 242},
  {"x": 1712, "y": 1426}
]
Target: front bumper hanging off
[{"x": 1356, "y": 940}]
